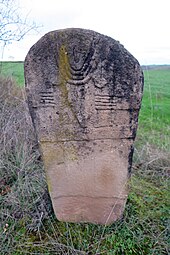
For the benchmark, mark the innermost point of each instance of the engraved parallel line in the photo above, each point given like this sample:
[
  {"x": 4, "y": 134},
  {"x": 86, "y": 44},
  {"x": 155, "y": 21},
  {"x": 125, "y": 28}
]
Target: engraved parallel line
[
  {"x": 79, "y": 82},
  {"x": 47, "y": 102},
  {"x": 102, "y": 126},
  {"x": 47, "y": 105},
  {"x": 46, "y": 93},
  {"x": 112, "y": 108},
  {"x": 87, "y": 140},
  {"x": 77, "y": 78},
  {"x": 105, "y": 102},
  {"x": 95, "y": 197},
  {"x": 110, "y": 96},
  {"x": 106, "y": 109},
  {"x": 106, "y": 99},
  {"x": 104, "y": 105},
  {"x": 47, "y": 98}
]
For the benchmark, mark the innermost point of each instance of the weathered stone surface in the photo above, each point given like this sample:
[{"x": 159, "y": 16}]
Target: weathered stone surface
[{"x": 84, "y": 93}]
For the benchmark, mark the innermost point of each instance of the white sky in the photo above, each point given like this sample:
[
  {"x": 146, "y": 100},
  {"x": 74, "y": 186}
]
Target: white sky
[{"x": 142, "y": 26}]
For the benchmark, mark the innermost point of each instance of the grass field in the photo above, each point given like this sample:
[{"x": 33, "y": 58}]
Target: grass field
[
  {"x": 154, "y": 121},
  {"x": 14, "y": 70},
  {"x": 27, "y": 221}
]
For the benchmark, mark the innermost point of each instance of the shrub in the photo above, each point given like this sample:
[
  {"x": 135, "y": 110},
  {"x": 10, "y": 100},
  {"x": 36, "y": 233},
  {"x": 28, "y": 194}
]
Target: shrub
[{"x": 23, "y": 191}]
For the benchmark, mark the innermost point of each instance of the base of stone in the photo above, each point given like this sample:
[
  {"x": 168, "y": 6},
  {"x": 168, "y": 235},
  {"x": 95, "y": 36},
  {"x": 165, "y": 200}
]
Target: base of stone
[{"x": 97, "y": 210}]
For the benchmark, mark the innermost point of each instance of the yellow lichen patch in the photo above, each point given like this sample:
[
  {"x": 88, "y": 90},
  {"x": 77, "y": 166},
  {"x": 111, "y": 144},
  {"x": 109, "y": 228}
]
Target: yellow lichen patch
[
  {"x": 64, "y": 76},
  {"x": 48, "y": 183},
  {"x": 53, "y": 154},
  {"x": 71, "y": 153},
  {"x": 64, "y": 73},
  {"x": 64, "y": 66}
]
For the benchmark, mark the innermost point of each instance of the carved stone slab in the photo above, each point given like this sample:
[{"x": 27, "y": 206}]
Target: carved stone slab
[{"x": 84, "y": 93}]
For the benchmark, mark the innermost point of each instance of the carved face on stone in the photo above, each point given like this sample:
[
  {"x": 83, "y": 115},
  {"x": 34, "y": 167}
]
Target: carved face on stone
[{"x": 84, "y": 93}]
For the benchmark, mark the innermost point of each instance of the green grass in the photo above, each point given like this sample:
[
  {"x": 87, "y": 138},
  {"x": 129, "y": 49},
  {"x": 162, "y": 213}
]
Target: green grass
[
  {"x": 156, "y": 100},
  {"x": 154, "y": 120},
  {"x": 14, "y": 70},
  {"x": 27, "y": 222}
]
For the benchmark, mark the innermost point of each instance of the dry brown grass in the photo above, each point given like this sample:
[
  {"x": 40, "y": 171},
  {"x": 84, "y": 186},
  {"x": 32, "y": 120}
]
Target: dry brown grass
[
  {"x": 152, "y": 163},
  {"x": 23, "y": 190}
]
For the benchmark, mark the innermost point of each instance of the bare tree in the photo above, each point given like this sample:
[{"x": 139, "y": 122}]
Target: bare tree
[{"x": 13, "y": 26}]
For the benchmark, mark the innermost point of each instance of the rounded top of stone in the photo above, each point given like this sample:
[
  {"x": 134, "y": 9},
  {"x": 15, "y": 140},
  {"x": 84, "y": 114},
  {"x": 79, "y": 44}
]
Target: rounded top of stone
[{"x": 78, "y": 36}]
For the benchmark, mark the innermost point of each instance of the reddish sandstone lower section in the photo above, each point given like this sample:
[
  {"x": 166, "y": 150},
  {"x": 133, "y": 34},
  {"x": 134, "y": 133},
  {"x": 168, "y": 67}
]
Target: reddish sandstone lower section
[
  {"x": 97, "y": 210},
  {"x": 87, "y": 180}
]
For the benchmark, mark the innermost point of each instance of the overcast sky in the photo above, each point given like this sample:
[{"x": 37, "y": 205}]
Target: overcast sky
[{"x": 142, "y": 26}]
